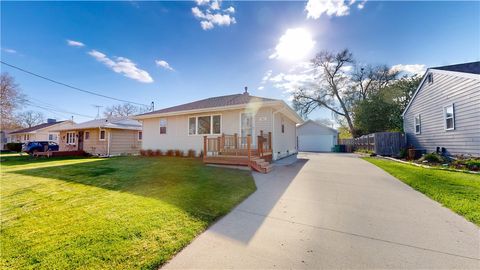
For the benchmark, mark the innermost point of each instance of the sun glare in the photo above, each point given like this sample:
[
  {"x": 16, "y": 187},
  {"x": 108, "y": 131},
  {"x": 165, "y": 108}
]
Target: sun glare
[{"x": 295, "y": 44}]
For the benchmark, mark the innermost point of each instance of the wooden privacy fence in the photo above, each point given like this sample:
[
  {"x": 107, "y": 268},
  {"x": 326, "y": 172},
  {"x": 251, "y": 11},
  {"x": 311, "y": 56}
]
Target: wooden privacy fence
[{"x": 381, "y": 143}]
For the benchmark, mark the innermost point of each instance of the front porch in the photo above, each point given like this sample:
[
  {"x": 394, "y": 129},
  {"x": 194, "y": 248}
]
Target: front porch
[{"x": 237, "y": 150}]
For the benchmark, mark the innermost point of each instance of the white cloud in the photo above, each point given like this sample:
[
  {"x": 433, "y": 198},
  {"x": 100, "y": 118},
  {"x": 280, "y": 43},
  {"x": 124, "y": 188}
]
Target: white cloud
[
  {"x": 361, "y": 5},
  {"x": 7, "y": 50},
  {"x": 260, "y": 88},
  {"x": 215, "y": 5},
  {"x": 412, "y": 69},
  {"x": 295, "y": 44},
  {"x": 211, "y": 15},
  {"x": 267, "y": 76},
  {"x": 164, "y": 64},
  {"x": 123, "y": 66},
  {"x": 74, "y": 43},
  {"x": 315, "y": 8},
  {"x": 202, "y": 2}
]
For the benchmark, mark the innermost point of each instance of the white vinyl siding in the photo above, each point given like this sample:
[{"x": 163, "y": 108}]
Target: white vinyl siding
[{"x": 447, "y": 89}]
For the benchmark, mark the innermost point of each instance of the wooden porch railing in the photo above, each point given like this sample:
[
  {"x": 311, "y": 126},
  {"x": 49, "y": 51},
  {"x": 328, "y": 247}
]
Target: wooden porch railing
[{"x": 237, "y": 146}]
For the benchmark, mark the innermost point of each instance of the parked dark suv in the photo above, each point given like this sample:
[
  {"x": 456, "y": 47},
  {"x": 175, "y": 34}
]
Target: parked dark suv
[{"x": 40, "y": 146}]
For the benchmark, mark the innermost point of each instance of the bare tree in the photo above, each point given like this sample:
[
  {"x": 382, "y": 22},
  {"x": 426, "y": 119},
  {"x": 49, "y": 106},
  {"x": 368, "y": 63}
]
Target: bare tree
[
  {"x": 122, "y": 110},
  {"x": 30, "y": 118},
  {"x": 332, "y": 82},
  {"x": 11, "y": 99},
  {"x": 338, "y": 89}
]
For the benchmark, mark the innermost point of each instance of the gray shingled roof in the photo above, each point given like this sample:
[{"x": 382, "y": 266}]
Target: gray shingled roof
[
  {"x": 472, "y": 67},
  {"x": 107, "y": 123},
  {"x": 37, "y": 127},
  {"x": 213, "y": 102}
]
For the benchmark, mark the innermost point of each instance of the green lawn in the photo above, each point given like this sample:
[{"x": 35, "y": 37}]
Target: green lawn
[
  {"x": 116, "y": 213},
  {"x": 456, "y": 190}
]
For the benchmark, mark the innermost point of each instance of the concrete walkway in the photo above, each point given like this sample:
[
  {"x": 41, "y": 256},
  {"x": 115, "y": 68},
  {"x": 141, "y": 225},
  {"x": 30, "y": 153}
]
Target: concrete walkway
[{"x": 334, "y": 211}]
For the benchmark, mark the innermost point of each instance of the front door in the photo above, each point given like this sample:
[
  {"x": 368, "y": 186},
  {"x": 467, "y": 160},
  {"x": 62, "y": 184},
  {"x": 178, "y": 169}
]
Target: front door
[
  {"x": 80, "y": 140},
  {"x": 246, "y": 127}
]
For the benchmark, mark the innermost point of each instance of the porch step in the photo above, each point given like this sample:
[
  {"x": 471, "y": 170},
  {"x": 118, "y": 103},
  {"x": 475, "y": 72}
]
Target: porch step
[{"x": 260, "y": 165}]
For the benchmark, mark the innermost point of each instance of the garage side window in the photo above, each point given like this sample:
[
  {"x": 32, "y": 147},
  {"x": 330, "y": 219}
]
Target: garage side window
[{"x": 102, "y": 135}]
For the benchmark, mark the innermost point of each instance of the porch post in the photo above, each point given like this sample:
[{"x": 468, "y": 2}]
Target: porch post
[
  {"x": 204, "y": 147},
  {"x": 270, "y": 141},
  {"x": 235, "y": 138}
]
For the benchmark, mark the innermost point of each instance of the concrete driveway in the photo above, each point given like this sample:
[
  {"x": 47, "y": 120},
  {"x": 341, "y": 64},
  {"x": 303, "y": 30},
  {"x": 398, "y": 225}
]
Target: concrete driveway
[{"x": 334, "y": 211}]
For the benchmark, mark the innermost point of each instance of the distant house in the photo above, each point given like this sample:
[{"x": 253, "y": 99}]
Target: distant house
[
  {"x": 103, "y": 137},
  {"x": 316, "y": 137},
  {"x": 4, "y": 138},
  {"x": 42, "y": 132},
  {"x": 445, "y": 111},
  {"x": 224, "y": 128}
]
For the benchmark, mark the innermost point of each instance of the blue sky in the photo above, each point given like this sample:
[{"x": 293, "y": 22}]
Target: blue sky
[{"x": 216, "y": 48}]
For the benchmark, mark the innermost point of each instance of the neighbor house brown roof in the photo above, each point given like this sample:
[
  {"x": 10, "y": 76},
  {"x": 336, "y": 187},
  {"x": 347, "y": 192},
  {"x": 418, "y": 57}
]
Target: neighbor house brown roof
[
  {"x": 213, "y": 102},
  {"x": 37, "y": 127}
]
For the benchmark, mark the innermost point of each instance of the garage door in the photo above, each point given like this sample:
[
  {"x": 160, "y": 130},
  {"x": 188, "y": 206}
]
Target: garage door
[{"x": 320, "y": 143}]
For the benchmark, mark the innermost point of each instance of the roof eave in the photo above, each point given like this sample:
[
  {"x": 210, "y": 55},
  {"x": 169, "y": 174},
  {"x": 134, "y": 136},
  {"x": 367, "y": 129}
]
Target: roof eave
[{"x": 210, "y": 109}]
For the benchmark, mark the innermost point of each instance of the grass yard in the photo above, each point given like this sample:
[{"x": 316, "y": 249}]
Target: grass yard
[
  {"x": 116, "y": 213},
  {"x": 455, "y": 190}
]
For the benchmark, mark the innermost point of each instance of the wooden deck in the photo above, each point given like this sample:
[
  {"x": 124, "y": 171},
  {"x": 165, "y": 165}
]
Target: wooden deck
[{"x": 239, "y": 151}]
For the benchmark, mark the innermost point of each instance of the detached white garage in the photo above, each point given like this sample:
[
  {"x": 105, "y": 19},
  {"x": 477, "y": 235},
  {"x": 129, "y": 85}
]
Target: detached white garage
[{"x": 315, "y": 137}]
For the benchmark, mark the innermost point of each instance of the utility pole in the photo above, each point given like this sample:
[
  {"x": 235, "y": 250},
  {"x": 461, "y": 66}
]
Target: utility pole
[{"x": 98, "y": 111}]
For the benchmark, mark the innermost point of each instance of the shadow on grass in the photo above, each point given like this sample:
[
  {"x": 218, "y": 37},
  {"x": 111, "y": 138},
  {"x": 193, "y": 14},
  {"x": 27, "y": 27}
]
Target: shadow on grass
[
  {"x": 201, "y": 191},
  {"x": 204, "y": 192}
]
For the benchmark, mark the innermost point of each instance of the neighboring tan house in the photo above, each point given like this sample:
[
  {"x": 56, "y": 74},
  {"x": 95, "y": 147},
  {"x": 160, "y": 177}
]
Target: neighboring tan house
[
  {"x": 444, "y": 112},
  {"x": 315, "y": 137},
  {"x": 42, "y": 132},
  {"x": 227, "y": 129},
  {"x": 103, "y": 137}
]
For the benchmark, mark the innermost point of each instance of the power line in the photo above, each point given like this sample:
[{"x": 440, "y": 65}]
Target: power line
[
  {"x": 70, "y": 86},
  {"x": 30, "y": 103}
]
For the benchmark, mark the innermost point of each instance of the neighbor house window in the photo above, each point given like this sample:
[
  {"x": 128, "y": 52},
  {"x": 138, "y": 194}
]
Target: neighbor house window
[
  {"x": 283, "y": 127},
  {"x": 102, "y": 135},
  {"x": 203, "y": 125},
  {"x": 70, "y": 137},
  {"x": 87, "y": 135},
  {"x": 50, "y": 137},
  {"x": 140, "y": 135},
  {"x": 430, "y": 78},
  {"x": 418, "y": 124},
  {"x": 449, "y": 113},
  {"x": 163, "y": 126}
]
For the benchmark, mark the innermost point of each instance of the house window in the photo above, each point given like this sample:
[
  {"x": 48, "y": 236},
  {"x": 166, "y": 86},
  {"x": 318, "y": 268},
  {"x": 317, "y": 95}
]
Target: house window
[
  {"x": 418, "y": 124},
  {"x": 102, "y": 135},
  {"x": 202, "y": 125},
  {"x": 449, "y": 114},
  {"x": 87, "y": 135},
  {"x": 163, "y": 126},
  {"x": 283, "y": 127},
  {"x": 140, "y": 135},
  {"x": 52, "y": 137},
  {"x": 192, "y": 126},
  {"x": 70, "y": 137}
]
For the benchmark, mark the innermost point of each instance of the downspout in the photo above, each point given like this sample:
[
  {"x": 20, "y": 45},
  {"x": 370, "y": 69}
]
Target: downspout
[{"x": 108, "y": 142}]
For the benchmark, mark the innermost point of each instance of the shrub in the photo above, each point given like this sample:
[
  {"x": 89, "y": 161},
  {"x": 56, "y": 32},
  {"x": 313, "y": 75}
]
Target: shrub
[
  {"x": 170, "y": 153},
  {"x": 402, "y": 153},
  {"x": 143, "y": 152},
  {"x": 149, "y": 153},
  {"x": 16, "y": 147},
  {"x": 191, "y": 153},
  {"x": 473, "y": 164},
  {"x": 158, "y": 152},
  {"x": 433, "y": 158},
  {"x": 178, "y": 153}
]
